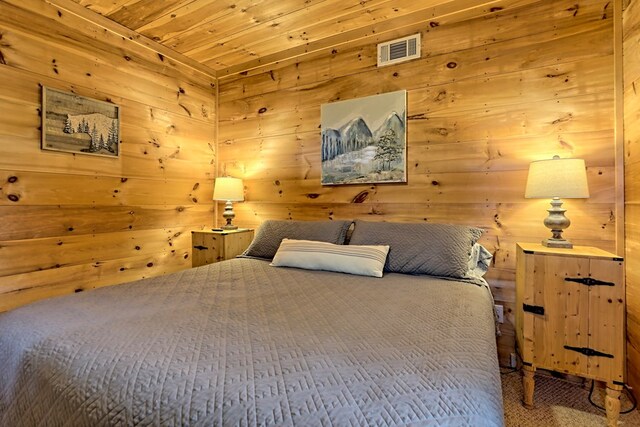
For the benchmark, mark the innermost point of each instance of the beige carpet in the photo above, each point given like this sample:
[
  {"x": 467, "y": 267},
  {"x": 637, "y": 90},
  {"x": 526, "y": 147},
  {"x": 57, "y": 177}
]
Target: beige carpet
[{"x": 559, "y": 403}]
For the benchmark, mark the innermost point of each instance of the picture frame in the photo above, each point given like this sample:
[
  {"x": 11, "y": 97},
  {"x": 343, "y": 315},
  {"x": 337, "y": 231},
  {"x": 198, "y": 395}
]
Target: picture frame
[
  {"x": 364, "y": 140},
  {"x": 76, "y": 124}
]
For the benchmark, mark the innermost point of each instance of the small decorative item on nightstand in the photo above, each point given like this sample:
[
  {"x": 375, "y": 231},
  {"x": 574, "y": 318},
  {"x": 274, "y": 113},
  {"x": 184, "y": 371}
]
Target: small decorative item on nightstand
[
  {"x": 570, "y": 317},
  {"x": 215, "y": 246}
]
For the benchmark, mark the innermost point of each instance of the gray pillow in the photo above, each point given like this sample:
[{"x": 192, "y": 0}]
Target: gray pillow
[
  {"x": 424, "y": 248},
  {"x": 271, "y": 232}
]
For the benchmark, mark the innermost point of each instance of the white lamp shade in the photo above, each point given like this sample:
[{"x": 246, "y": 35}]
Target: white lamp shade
[
  {"x": 563, "y": 178},
  {"x": 228, "y": 188}
]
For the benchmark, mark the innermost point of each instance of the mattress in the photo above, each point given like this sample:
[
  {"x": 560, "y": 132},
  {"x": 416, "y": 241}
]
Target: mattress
[{"x": 242, "y": 343}]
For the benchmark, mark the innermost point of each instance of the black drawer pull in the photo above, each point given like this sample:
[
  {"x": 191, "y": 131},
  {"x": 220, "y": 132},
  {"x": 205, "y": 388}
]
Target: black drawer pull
[
  {"x": 588, "y": 281},
  {"x": 200, "y": 248},
  {"x": 535, "y": 309},
  {"x": 589, "y": 351}
]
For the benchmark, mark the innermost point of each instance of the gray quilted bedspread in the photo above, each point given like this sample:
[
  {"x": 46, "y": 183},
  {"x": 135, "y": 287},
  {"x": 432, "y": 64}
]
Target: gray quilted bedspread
[{"x": 241, "y": 343}]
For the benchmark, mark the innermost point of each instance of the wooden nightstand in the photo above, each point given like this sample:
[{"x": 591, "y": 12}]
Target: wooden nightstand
[
  {"x": 215, "y": 246},
  {"x": 570, "y": 316}
]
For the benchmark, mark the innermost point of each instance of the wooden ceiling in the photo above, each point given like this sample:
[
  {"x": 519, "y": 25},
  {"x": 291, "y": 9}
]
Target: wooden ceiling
[{"x": 236, "y": 35}]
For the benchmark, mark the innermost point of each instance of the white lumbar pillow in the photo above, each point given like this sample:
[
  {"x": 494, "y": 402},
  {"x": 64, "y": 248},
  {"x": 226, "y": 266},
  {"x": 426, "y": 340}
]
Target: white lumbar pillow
[{"x": 311, "y": 255}]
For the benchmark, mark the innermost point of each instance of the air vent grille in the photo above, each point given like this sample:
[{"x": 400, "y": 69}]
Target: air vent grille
[{"x": 399, "y": 50}]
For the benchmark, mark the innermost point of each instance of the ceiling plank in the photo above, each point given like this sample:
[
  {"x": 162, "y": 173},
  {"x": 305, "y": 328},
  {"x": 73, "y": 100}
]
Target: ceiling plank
[
  {"x": 252, "y": 15},
  {"x": 138, "y": 13},
  {"x": 196, "y": 15},
  {"x": 290, "y": 30},
  {"x": 103, "y": 7}
]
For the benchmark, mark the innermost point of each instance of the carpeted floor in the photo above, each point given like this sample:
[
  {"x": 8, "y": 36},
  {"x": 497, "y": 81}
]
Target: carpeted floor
[{"x": 559, "y": 403}]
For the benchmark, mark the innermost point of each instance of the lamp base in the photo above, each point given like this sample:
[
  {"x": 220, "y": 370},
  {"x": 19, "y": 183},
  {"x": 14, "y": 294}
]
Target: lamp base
[
  {"x": 557, "y": 243},
  {"x": 228, "y": 215},
  {"x": 557, "y": 222}
]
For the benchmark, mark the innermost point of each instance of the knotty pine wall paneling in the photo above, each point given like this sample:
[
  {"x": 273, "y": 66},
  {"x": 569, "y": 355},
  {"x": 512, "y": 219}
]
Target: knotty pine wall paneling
[
  {"x": 73, "y": 222},
  {"x": 631, "y": 37},
  {"x": 494, "y": 90}
]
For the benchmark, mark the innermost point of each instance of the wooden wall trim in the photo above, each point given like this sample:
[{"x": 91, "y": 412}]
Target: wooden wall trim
[
  {"x": 619, "y": 124},
  {"x": 631, "y": 81},
  {"x": 106, "y": 23},
  {"x": 215, "y": 204}
]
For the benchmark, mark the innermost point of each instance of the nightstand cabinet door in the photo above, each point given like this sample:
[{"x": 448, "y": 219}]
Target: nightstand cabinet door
[
  {"x": 571, "y": 312},
  {"x": 606, "y": 320},
  {"x": 564, "y": 321}
]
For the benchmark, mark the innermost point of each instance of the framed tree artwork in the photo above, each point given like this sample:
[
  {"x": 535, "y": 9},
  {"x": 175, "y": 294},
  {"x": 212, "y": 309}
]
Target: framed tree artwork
[
  {"x": 76, "y": 124},
  {"x": 364, "y": 140}
]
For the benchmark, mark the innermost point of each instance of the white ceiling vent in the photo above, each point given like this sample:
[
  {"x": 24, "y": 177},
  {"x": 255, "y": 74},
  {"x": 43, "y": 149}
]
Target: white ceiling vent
[{"x": 399, "y": 50}]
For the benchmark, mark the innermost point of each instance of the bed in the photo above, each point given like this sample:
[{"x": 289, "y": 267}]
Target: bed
[{"x": 245, "y": 343}]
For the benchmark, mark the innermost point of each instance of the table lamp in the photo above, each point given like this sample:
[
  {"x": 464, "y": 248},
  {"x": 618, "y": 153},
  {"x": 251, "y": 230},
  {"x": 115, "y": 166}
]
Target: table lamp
[
  {"x": 229, "y": 190},
  {"x": 557, "y": 178}
]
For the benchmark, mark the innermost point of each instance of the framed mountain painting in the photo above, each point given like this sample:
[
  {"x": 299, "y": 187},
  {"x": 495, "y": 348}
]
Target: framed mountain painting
[
  {"x": 76, "y": 124},
  {"x": 364, "y": 140}
]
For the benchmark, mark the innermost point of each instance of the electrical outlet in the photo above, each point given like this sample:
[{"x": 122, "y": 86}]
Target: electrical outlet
[
  {"x": 513, "y": 361},
  {"x": 500, "y": 313}
]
